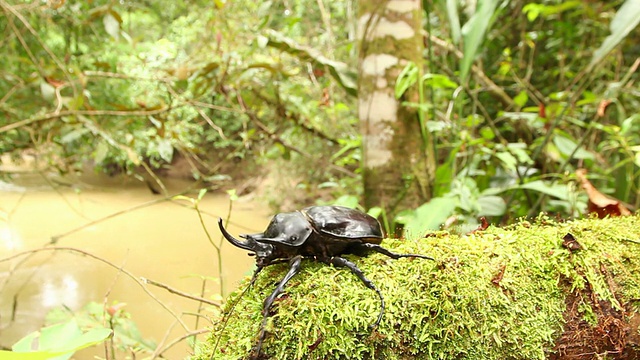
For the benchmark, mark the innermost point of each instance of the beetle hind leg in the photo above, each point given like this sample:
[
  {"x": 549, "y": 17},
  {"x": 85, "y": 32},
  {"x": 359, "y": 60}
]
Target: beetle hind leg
[
  {"x": 377, "y": 248},
  {"x": 342, "y": 262}
]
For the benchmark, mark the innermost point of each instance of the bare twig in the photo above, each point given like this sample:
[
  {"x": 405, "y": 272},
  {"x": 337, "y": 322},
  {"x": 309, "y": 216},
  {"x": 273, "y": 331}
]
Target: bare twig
[
  {"x": 493, "y": 89},
  {"x": 107, "y": 262},
  {"x": 56, "y": 238},
  {"x": 60, "y": 114},
  {"x": 254, "y": 118},
  {"x": 59, "y": 64},
  {"x": 179, "y": 339},
  {"x": 180, "y": 293}
]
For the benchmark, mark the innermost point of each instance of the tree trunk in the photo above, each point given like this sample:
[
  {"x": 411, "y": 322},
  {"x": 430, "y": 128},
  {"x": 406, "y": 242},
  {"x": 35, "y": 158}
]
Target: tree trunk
[{"x": 397, "y": 168}]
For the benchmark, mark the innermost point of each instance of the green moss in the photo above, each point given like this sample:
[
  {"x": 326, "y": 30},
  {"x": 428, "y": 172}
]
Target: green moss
[{"x": 444, "y": 309}]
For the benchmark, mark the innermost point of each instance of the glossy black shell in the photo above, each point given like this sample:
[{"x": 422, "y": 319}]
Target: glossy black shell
[{"x": 344, "y": 223}]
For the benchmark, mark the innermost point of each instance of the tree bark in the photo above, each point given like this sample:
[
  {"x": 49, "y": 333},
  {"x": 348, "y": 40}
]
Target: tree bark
[{"x": 397, "y": 168}]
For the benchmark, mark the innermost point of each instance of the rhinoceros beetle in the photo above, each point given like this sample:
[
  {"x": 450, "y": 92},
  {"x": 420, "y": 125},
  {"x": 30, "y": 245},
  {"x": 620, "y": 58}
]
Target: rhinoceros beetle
[{"x": 321, "y": 233}]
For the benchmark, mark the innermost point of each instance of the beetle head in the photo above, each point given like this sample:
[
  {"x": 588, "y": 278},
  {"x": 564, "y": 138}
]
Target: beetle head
[
  {"x": 264, "y": 252},
  {"x": 288, "y": 229}
]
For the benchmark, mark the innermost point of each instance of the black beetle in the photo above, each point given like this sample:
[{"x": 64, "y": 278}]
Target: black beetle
[{"x": 322, "y": 233}]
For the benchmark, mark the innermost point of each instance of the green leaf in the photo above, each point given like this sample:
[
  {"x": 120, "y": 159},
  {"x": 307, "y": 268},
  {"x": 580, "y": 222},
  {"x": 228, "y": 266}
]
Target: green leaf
[
  {"x": 626, "y": 19},
  {"x": 510, "y": 162},
  {"x": 233, "y": 195},
  {"x": 428, "y": 216},
  {"x": 165, "y": 149},
  {"x": 407, "y": 77},
  {"x": 567, "y": 147},
  {"x": 350, "y": 201},
  {"x": 491, "y": 205},
  {"x": 439, "y": 81},
  {"x": 473, "y": 33},
  {"x": 73, "y": 135},
  {"x": 521, "y": 98},
  {"x": 534, "y": 10},
  {"x": 102, "y": 150},
  {"x": 57, "y": 342},
  {"x": 558, "y": 191},
  {"x": 454, "y": 20},
  {"x": 111, "y": 25}
]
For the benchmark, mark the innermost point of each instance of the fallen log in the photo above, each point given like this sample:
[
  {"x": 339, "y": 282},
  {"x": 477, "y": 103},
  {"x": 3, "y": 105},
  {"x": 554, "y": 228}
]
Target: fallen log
[{"x": 534, "y": 290}]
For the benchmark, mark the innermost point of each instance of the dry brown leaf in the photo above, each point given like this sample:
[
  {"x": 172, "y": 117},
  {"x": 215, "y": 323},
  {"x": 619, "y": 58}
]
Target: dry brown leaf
[{"x": 600, "y": 203}]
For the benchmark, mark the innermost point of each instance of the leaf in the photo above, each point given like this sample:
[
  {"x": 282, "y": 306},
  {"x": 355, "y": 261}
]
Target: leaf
[
  {"x": 428, "y": 216},
  {"x": 101, "y": 152},
  {"x": 454, "y": 20},
  {"x": 473, "y": 33},
  {"x": 567, "y": 147},
  {"x": 600, "y": 203},
  {"x": 558, "y": 191},
  {"x": 111, "y": 25},
  {"x": 439, "y": 81},
  {"x": 407, "y": 77},
  {"x": 73, "y": 135},
  {"x": 534, "y": 10},
  {"x": 57, "y": 342},
  {"x": 521, "y": 98},
  {"x": 625, "y": 20},
  {"x": 492, "y": 205},
  {"x": 165, "y": 150},
  {"x": 350, "y": 201}
]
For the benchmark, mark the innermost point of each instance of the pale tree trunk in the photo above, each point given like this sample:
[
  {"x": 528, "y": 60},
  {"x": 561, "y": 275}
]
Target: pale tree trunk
[{"x": 398, "y": 163}]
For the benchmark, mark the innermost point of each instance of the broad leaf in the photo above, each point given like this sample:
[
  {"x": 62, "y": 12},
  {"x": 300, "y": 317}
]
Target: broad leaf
[
  {"x": 454, "y": 20},
  {"x": 626, "y": 19},
  {"x": 558, "y": 191},
  {"x": 57, "y": 342},
  {"x": 473, "y": 33},
  {"x": 428, "y": 216}
]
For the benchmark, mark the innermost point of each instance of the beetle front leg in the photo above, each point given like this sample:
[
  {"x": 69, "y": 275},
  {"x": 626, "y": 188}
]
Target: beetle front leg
[
  {"x": 391, "y": 254},
  {"x": 342, "y": 262},
  {"x": 293, "y": 270}
]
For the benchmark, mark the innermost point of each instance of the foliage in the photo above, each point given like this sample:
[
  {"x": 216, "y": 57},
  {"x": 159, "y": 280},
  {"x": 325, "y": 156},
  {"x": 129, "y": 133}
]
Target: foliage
[
  {"x": 126, "y": 336},
  {"x": 518, "y": 94},
  {"x": 494, "y": 294},
  {"x": 57, "y": 342},
  {"x": 526, "y": 101},
  {"x": 131, "y": 86}
]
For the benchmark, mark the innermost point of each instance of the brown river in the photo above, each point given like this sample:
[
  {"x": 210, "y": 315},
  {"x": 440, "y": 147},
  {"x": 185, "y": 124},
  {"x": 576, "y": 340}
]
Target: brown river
[{"x": 124, "y": 224}]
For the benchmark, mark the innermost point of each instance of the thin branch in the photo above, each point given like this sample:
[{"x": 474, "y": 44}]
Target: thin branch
[
  {"x": 56, "y": 238},
  {"x": 60, "y": 114},
  {"x": 179, "y": 339},
  {"x": 53, "y": 56},
  {"x": 180, "y": 293},
  {"x": 279, "y": 140},
  {"x": 105, "y": 261},
  {"x": 482, "y": 78},
  {"x": 17, "y": 33}
]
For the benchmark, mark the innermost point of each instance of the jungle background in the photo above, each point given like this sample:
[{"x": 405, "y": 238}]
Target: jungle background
[{"x": 261, "y": 98}]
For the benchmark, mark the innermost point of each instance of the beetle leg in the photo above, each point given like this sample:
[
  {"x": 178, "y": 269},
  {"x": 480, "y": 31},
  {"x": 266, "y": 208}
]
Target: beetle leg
[
  {"x": 381, "y": 250},
  {"x": 293, "y": 270},
  {"x": 342, "y": 262}
]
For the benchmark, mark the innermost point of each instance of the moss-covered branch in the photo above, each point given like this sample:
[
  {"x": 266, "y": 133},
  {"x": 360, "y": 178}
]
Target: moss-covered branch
[{"x": 514, "y": 293}]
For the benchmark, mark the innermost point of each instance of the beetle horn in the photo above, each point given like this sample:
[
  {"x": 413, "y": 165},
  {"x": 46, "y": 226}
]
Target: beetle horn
[
  {"x": 246, "y": 245},
  {"x": 250, "y": 244}
]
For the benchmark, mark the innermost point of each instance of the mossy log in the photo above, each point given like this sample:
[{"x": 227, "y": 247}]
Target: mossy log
[{"x": 541, "y": 290}]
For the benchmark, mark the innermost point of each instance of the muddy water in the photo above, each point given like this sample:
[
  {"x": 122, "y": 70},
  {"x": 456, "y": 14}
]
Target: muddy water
[{"x": 164, "y": 242}]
